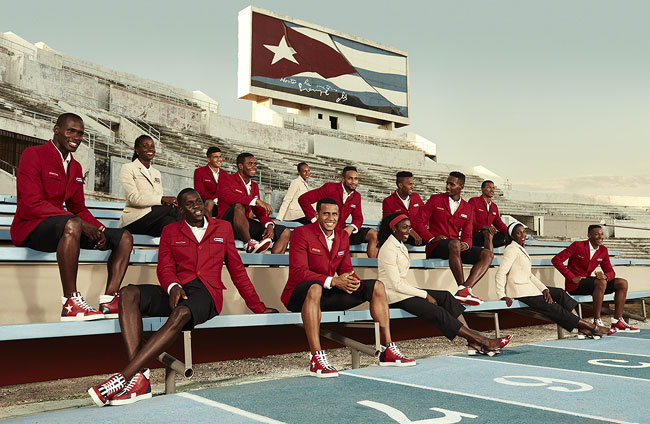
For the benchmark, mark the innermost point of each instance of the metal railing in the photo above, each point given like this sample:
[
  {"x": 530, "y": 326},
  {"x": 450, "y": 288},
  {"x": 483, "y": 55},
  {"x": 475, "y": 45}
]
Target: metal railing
[{"x": 6, "y": 166}]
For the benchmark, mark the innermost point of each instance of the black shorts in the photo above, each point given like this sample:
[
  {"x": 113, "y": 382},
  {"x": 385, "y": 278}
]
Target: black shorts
[
  {"x": 498, "y": 240},
  {"x": 332, "y": 299},
  {"x": 255, "y": 228},
  {"x": 359, "y": 237},
  {"x": 154, "y": 302},
  {"x": 45, "y": 237},
  {"x": 470, "y": 256},
  {"x": 586, "y": 286},
  {"x": 152, "y": 223}
]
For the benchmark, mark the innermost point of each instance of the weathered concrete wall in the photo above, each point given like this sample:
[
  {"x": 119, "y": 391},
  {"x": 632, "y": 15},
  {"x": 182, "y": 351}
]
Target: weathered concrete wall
[
  {"x": 7, "y": 183},
  {"x": 173, "y": 180},
  {"x": 344, "y": 149},
  {"x": 562, "y": 226}
]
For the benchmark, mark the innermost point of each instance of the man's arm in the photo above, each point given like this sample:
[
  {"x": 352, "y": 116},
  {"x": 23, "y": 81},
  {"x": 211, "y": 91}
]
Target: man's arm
[
  {"x": 559, "y": 259},
  {"x": 166, "y": 269},
  {"x": 239, "y": 276},
  {"x": 466, "y": 235},
  {"x": 606, "y": 266},
  {"x": 312, "y": 196},
  {"x": 357, "y": 215},
  {"x": 419, "y": 222},
  {"x": 498, "y": 223}
]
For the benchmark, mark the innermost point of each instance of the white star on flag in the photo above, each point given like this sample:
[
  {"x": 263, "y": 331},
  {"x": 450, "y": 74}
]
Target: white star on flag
[{"x": 281, "y": 51}]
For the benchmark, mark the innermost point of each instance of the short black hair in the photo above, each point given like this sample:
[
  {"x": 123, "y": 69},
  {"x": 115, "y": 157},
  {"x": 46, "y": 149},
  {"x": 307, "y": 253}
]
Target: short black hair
[
  {"x": 183, "y": 192},
  {"x": 593, "y": 227},
  {"x": 241, "y": 158},
  {"x": 300, "y": 165},
  {"x": 348, "y": 168},
  {"x": 459, "y": 175},
  {"x": 138, "y": 142},
  {"x": 401, "y": 175},
  {"x": 63, "y": 118},
  {"x": 212, "y": 150},
  {"x": 486, "y": 182},
  {"x": 325, "y": 201}
]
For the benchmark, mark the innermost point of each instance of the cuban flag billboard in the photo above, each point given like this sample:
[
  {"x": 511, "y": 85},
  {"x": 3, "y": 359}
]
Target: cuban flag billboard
[{"x": 293, "y": 61}]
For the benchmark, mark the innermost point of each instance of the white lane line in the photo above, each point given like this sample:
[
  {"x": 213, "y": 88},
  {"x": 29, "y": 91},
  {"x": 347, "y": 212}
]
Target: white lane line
[
  {"x": 251, "y": 415},
  {"x": 645, "y": 380},
  {"x": 628, "y": 338},
  {"x": 592, "y": 350},
  {"x": 509, "y": 402}
]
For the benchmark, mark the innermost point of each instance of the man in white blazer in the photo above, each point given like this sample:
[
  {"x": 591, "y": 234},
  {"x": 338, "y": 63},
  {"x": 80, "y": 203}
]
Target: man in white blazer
[{"x": 290, "y": 209}]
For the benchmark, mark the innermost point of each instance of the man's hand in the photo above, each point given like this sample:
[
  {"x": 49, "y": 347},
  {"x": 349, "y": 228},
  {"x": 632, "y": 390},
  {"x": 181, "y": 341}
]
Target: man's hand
[
  {"x": 266, "y": 206},
  {"x": 168, "y": 200},
  {"x": 576, "y": 279},
  {"x": 436, "y": 239},
  {"x": 464, "y": 246},
  {"x": 270, "y": 311},
  {"x": 508, "y": 301},
  {"x": 416, "y": 237},
  {"x": 346, "y": 282},
  {"x": 349, "y": 229},
  {"x": 431, "y": 299},
  {"x": 175, "y": 296},
  {"x": 94, "y": 234},
  {"x": 601, "y": 276},
  {"x": 547, "y": 296},
  {"x": 268, "y": 232}
]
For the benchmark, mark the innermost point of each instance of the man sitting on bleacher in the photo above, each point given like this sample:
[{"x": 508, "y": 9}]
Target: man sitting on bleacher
[
  {"x": 489, "y": 229},
  {"x": 206, "y": 180},
  {"x": 349, "y": 200},
  {"x": 190, "y": 259},
  {"x": 405, "y": 201},
  {"x": 48, "y": 177},
  {"x": 321, "y": 278},
  {"x": 240, "y": 203},
  {"x": 584, "y": 257},
  {"x": 449, "y": 236}
]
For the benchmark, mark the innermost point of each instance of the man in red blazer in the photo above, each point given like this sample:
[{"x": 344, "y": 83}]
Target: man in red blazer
[
  {"x": 319, "y": 251},
  {"x": 405, "y": 201},
  {"x": 49, "y": 177},
  {"x": 449, "y": 236},
  {"x": 206, "y": 180},
  {"x": 489, "y": 229},
  {"x": 190, "y": 260},
  {"x": 239, "y": 203},
  {"x": 584, "y": 257},
  {"x": 349, "y": 200}
]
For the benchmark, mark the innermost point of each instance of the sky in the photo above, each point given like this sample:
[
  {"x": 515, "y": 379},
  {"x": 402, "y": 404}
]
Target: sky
[{"x": 552, "y": 95}]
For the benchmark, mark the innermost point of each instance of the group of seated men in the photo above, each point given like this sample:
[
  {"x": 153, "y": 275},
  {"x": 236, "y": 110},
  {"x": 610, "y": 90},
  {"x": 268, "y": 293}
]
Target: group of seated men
[{"x": 192, "y": 251}]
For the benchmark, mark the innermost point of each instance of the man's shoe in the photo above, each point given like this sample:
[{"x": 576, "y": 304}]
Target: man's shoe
[
  {"x": 102, "y": 393},
  {"x": 138, "y": 388},
  {"x": 320, "y": 366},
  {"x": 75, "y": 308},
  {"x": 254, "y": 246},
  {"x": 392, "y": 357},
  {"x": 108, "y": 305},
  {"x": 465, "y": 296},
  {"x": 621, "y": 325},
  {"x": 599, "y": 322}
]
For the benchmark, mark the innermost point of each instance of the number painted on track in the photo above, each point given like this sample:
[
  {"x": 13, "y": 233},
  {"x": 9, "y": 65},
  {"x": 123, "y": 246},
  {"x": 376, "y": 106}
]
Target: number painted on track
[
  {"x": 449, "y": 417},
  {"x": 544, "y": 381},
  {"x": 613, "y": 362}
]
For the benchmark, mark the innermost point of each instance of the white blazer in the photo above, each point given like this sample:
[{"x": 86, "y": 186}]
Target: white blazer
[
  {"x": 141, "y": 191},
  {"x": 290, "y": 208},
  {"x": 514, "y": 276},
  {"x": 394, "y": 262}
]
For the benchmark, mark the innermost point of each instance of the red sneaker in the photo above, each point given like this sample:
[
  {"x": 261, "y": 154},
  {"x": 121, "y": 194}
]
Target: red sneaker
[
  {"x": 254, "y": 246},
  {"x": 102, "y": 393},
  {"x": 621, "y": 325},
  {"x": 108, "y": 305},
  {"x": 465, "y": 296},
  {"x": 503, "y": 341},
  {"x": 75, "y": 308},
  {"x": 320, "y": 366},
  {"x": 138, "y": 388},
  {"x": 392, "y": 357}
]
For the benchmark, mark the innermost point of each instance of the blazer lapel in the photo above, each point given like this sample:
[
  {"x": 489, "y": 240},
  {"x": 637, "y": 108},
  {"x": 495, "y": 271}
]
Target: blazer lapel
[
  {"x": 185, "y": 230},
  {"x": 143, "y": 171},
  {"x": 523, "y": 249}
]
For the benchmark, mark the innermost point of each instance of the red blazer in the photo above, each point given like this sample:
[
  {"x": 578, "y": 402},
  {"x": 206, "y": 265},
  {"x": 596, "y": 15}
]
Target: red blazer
[
  {"x": 580, "y": 265},
  {"x": 334, "y": 190},
  {"x": 43, "y": 188},
  {"x": 394, "y": 204},
  {"x": 437, "y": 215},
  {"x": 483, "y": 217},
  {"x": 182, "y": 259},
  {"x": 232, "y": 190},
  {"x": 205, "y": 183},
  {"x": 310, "y": 260}
]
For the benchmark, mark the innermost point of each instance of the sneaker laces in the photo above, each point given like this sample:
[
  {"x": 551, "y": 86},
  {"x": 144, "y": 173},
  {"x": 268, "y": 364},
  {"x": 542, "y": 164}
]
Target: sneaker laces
[
  {"x": 321, "y": 357},
  {"x": 133, "y": 382},
  {"x": 112, "y": 385},
  {"x": 393, "y": 348},
  {"x": 623, "y": 323},
  {"x": 81, "y": 302},
  {"x": 599, "y": 322}
]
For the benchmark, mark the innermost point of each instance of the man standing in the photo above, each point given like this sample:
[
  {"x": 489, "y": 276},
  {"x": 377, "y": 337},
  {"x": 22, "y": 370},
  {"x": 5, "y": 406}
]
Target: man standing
[
  {"x": 584, "y": 257},
  {"x": 190, "y": 259},
  {"x": 290, "y": 209},
  {"x": 449, "y": 236},
  {"x": 489, "y": 229},
  {"x": 321, "y": 278},
  {"x": 206, "y": 180},
  {"x": 49, "y": 177},
  {"x": 405, "y": 201},
  {"x": 349, "y": 201},
  {"x": 239, "y": 202}
]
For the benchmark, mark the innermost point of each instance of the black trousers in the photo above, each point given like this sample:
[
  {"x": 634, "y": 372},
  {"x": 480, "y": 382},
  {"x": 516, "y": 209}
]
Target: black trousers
[
  {"x": 498, "y": 240},
  {"x": 559, "y": 311},
  {"x": 444, "y": 316},
  {"x": 152, "y": 223}
]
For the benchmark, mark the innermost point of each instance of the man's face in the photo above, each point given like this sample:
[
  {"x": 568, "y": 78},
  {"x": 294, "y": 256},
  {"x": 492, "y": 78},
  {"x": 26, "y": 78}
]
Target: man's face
[
  {"x": 215, "y": 160},
  {"x": 191, "y": 206},
  {"x": 488, "y": 190},
  {"x": 350, "y": 180},
  {"x": 304, "y": 172},
  {"x": 249, "y": 167},
  {"x": 596, "y": 236},
  {"x": 68, "y": 136},
  {"x": 406, "y": 186},
  {"x": 328, "y": 216},
  {"x": 453, "y": 187}
]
